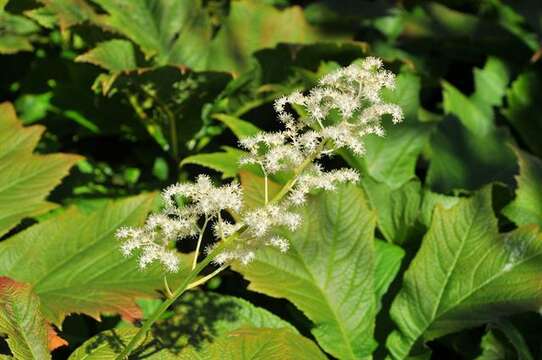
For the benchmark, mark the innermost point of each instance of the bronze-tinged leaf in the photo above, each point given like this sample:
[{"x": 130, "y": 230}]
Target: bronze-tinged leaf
[{"x": 27, "y": 331}]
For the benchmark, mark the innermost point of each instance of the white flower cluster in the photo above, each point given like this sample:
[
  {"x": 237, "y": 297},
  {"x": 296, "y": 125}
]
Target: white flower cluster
[
  {"x": 339, "y": 112},
  {"x": 345, "y": 107},
  {"x": 156, "y": 238},
  {"x": 316, "y": 179}
]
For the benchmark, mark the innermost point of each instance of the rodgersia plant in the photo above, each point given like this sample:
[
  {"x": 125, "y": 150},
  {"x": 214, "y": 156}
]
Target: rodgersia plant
[{"x": 338, "y": 113}]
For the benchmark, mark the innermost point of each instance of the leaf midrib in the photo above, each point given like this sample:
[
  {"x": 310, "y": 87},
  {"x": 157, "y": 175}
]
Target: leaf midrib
[{"x": 327, "y": 301}]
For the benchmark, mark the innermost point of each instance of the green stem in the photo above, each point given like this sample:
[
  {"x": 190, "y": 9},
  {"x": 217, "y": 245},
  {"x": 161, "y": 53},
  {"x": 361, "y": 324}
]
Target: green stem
[
  {"x": 206, "y": 278},
  {"x": 195, "y": 261},
  {"x": 166, "y": 304},
  {"x": 290, "y": 184}
]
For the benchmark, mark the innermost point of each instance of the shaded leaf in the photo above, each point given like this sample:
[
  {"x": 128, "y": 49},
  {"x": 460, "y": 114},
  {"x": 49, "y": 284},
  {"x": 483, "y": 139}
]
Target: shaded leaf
[
  {"x": 245, "y": 343},
  {"x": 199, "y": 318},
  {"x": 465, "y": 274},
  {"x": 526, "y": 208},
  {"x": 181, "y": 33},
  {"x": 397, "y": 209},
  {"x": 195, "y": 321},
  {"x": 524, "y": 109},
  {"x": 330, "y": 259},
  {"x": 463, "y": 160},
  {"x": 25, "y": 178}
]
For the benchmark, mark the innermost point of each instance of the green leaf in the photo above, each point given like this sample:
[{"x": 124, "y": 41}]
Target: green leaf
[
  {"x": 16, "y": 32},
  {"x": 168, "y": 100},
  {"x": 475, "y": 112},
  {"x": 239, "y": 127},
  {"x": 474, "y": 117},
  {"x": 472, "y": 152},
  {"x": 70, "y": 12},
  {"x": 387, "y": 264},
  {"x": 526, "y": 208},
  {"x": 490, "y": 83},
  {"x": 465, "y": 274},
  {"x": 250, "y": 343},
  {"x": 397, "y": 209},
  {"x": 21, "y": 320},
  {"x": 253, "y": 25},
  {"x": 78, "y": 266},
  {"x": 524, "y": 108},
  {"x": 25, "y": 178},
  {"x": 226, "y": 162},
  {"x": 114, "y": 55},
  {"x": 430, "y": 201},
  {"x": 328, "y": 272}
]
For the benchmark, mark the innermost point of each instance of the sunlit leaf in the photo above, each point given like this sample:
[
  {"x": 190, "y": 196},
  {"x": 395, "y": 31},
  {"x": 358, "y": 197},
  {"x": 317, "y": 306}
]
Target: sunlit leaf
[
  {"x": 77, "y": 266},
  {"x": 25, "y": 178},
  {"x": 330, "y": 259}
]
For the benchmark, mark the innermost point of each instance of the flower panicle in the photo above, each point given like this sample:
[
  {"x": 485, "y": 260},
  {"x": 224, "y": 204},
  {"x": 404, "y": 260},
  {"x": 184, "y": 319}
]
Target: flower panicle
[{"x": 338, "y": 113}]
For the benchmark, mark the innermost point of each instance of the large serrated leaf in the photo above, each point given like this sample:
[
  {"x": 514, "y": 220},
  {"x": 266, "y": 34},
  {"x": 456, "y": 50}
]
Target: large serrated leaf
[
  {"x": 76, "y": 262},
  {"x": 397, "y": 209},
  {"x": 25, "y": 178},
  {"x": 466, "y": 274},
  {"x": 328, "y": 272}
]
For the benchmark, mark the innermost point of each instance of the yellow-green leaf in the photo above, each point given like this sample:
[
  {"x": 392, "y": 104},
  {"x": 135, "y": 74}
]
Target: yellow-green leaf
[
  {"x": 328, "y": 272},
  {"x": 25, "y": 178},
  {"x": 76, "y": 265}
]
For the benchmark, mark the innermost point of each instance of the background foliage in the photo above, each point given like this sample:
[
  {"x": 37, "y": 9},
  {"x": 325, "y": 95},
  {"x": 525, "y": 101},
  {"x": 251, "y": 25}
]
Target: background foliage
[{"x": 436, "y": 254}]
